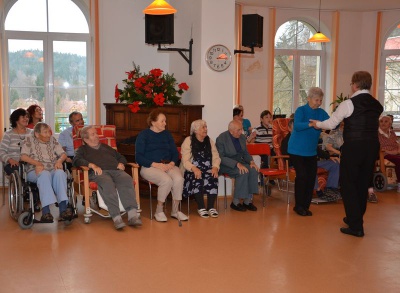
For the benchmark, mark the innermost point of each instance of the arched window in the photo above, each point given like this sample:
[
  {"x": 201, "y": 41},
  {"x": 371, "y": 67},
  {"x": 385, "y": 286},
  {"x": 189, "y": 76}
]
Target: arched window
[
  {"x": 47, "y": 53},
  {"x": 298, "y": 65},
  {"x": 389, "y": 89}
]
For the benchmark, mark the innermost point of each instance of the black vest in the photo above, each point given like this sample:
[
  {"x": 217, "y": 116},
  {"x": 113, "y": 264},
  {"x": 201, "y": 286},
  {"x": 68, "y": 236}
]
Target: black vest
[{"x": 363, "y": 123}]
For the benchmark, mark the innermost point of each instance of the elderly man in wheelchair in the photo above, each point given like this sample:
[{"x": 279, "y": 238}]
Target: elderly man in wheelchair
[
  {"x": 107, "y": 170},
  {"x": 45, "y": 158}
]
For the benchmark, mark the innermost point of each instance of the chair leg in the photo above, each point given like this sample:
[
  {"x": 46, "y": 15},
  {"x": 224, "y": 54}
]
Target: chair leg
[
  {"x": 151, "y": 204},
  {"x": 225, "y": 197},
  {"x": 287, "y": 189}
]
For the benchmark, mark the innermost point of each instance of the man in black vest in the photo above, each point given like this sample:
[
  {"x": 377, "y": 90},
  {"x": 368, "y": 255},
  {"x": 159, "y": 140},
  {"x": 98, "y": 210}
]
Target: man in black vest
[{"x": 360, "y": 114}]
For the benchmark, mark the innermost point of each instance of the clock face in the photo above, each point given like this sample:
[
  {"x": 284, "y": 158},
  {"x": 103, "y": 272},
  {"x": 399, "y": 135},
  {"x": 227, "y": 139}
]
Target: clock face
[{"x": 218, "y": 57}]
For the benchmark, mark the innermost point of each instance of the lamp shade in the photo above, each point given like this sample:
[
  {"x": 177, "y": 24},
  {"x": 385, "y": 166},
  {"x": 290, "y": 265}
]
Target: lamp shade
[
  {"x": 319, "y": 38},
  {"x": 159, "y": 7}
]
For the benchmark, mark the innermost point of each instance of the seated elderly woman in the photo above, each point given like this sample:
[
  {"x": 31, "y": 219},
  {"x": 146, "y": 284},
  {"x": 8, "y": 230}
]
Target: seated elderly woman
[
  {"x": 35, "y": 115},
  {"x": 334, "y": 141},
  {"x": 157, "y": 155},
  {"x": 45, "y": 158},
  {"x": 107, "y": 170},
  {"x": 200, "y": 163},
  {"x": 389, "y": 144},
  {"x": 10, "y": 147}
]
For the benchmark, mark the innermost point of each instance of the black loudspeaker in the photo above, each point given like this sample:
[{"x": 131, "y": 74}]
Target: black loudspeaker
[
  {"x": 252, "y": 30},
  {"x": 159, "y": 29}
]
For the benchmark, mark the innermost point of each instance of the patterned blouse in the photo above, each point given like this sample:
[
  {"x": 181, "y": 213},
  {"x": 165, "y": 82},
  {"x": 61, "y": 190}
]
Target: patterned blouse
[
  {"x": 388, "y": 142},
  {"x": 45, "y": 152},
  {"x": 10, "y": 147}
]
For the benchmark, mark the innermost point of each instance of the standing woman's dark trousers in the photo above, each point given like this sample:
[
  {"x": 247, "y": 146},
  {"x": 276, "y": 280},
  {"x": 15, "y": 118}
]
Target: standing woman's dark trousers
[
  {"x": 356, "y": 170},
  {"x": 306, "y": 170}
]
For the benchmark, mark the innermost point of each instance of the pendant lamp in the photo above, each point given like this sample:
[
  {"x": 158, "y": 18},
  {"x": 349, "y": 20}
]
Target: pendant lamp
[
  {"x": 319, "y": 37},
  {"x": 159, "y": 7}
]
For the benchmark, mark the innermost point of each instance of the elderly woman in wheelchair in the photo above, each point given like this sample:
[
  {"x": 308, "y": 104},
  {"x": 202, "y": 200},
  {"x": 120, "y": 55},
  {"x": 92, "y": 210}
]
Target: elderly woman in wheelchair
[
  {"x": 45, "y": 158},
  {"x": 10, "y": 148}
]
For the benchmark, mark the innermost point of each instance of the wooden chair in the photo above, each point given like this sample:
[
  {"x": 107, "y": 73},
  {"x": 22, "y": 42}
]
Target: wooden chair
[
  {"x": 270, "y": 173},
  {"x": 81, "y": 174}
]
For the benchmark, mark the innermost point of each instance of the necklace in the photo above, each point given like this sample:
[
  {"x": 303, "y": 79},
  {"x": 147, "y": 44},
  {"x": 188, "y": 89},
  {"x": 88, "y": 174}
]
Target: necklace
[{"x": 19, "y": 135}]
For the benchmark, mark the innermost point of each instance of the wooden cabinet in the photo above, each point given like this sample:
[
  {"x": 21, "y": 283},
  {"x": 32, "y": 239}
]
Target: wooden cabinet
[{"x": 179, "y": 118}]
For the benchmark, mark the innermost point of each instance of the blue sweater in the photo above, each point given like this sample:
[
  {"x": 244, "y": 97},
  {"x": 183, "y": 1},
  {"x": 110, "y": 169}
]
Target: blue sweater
[
  {"x": 304, "y": 139},
  {"x": 153, "y": 146}
]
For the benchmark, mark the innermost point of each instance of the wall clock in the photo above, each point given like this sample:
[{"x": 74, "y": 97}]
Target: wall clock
[{"x": 218, "y": 57}]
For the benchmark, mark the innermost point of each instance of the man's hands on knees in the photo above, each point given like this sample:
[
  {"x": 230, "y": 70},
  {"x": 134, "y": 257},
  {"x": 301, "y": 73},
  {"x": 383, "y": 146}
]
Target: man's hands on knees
[
  {"x": 97, "y": 170},
  {"x": 253, "y": 165},
  {"x": 121, "y": 167},
  {"x": 242, "y": 168}
]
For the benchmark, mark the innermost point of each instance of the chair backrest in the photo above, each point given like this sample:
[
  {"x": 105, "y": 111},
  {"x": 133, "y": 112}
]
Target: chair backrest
[
  {"x": 279, "y": 130},
  {"x": 256, "y": 149},
  {"x": 107, "y": 134}
]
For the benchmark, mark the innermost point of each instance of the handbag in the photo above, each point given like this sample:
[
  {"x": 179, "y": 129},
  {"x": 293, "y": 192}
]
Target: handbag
[{"x": 278, "y": 114}]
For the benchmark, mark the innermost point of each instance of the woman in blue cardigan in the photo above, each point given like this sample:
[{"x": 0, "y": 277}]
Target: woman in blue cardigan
[
  {"x": 302, "y": 149},
  {"x": 157, "y": 155}
]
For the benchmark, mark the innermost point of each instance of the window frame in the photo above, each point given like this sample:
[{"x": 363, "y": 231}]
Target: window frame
[{"x": 48, "y": 38}]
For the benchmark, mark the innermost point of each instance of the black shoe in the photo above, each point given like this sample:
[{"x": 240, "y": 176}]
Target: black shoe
[
  {"x": 345, "y": 221},
  {"x": 272, "y": 182},
  {"x": 352, "y": 232},
  {"x": 239, "y": 207},
  {"x": 308, "y": 213},
  {"x": 250, "y": 207},
  {"x": 300, "y": 211}
]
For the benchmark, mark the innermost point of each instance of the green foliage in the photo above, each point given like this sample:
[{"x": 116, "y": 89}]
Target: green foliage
[
  {"x": 149, "y": 89},
  {"x": 340, "y": 98}
]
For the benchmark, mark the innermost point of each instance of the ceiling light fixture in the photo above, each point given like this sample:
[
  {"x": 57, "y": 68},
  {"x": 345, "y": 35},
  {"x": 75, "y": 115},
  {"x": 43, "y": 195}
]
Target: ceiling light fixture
[
  {"x": 159, "y": 7},
  {"x": 319, "y": 37}
]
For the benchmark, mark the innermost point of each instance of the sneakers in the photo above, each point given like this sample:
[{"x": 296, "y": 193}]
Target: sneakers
[
  {"x": 119, "y": 224},
  {"x": 160, "y": 217},
  {"x": 135, "y": 221},
  {"x": 203, "y": 213},
  {"x": 373, "y": 198},
  {"x": 181, "y": 216},
  {"x": 213, "y": 213}
]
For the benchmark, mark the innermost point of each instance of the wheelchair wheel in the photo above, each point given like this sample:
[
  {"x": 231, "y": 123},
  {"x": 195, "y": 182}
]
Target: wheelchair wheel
[
  {"x": 380, "y": 182},
  {"x": 25, "y": 220},
  {"x": 15, "y": 196}
]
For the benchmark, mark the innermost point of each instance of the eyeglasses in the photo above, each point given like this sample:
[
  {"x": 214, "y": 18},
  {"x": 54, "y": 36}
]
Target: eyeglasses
[
  {"x": 351, "y": 83},
  {"x": 39, "y": 110}
]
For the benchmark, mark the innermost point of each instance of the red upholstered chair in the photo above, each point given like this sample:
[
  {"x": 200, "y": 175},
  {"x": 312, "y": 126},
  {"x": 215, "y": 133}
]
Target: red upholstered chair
[
  {"x": 279, "y": 131},
  {"x": 81, "y": 174},
  {"x": 270, "y": 173}
]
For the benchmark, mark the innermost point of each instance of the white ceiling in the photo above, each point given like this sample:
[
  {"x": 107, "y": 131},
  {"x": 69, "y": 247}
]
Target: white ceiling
[{"x": 342, "y": 5}]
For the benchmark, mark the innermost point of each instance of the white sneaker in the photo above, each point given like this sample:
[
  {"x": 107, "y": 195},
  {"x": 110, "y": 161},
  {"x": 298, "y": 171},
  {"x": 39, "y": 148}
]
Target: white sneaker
[
  {"x": 181, "y": 215},
  {"x": 160, "y": 217}
]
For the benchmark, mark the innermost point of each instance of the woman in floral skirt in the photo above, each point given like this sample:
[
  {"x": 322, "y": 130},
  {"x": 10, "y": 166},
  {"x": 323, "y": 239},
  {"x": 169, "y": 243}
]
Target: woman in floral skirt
[{"x": 200, "y": 164}]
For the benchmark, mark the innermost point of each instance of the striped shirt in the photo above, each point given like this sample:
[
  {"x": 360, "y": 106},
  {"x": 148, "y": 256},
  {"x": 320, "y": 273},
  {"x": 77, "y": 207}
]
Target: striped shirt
[
  {"x": 10, "y": 147},
  {"x": 264, "y": 134}
]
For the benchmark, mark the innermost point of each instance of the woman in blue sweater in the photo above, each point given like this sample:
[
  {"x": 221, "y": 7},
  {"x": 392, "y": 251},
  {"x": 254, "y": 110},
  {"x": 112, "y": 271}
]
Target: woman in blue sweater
[
  {"x": 157, "y": 155},
  {"x": 302, "y": 149}
]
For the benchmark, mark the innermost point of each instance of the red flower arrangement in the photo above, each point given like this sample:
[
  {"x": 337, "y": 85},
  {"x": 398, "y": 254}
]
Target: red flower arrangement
[{"x": 149, "y": 89}]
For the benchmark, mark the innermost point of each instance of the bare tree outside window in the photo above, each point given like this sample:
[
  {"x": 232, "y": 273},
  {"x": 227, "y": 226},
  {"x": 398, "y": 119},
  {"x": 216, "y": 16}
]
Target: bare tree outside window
[
  {"x": 297, "y": 65},
  {"x": 392, "y": 75}
]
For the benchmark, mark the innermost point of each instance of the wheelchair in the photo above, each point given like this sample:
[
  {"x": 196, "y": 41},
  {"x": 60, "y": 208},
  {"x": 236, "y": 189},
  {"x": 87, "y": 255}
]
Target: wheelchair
[
  {"x": 383, "y": 168},
  {"x": 24, "y": 201}
]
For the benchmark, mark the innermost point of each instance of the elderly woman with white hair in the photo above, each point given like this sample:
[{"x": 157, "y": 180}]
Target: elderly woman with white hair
[
  {"x": 200, "y": 164},
  {"x": 302, "y": 149}
]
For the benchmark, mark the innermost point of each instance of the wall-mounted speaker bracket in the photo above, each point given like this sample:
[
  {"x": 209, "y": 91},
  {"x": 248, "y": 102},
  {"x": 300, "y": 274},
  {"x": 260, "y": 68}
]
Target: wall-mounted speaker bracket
[
  {"x": 244, "y": 52},
  {"x": 180, "y": 51}
]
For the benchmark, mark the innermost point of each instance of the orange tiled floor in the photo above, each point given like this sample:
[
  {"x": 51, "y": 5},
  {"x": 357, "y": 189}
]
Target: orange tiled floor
[{"x": 271, "y": 250}]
